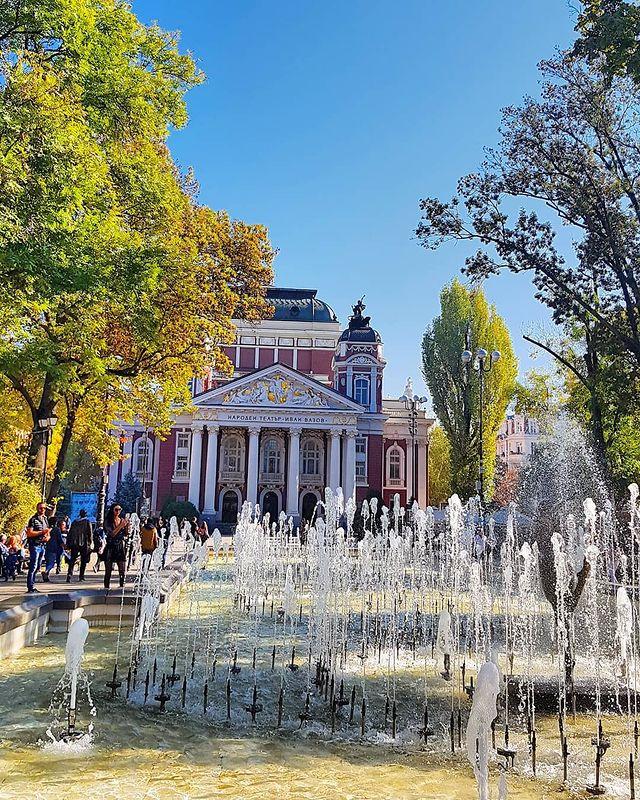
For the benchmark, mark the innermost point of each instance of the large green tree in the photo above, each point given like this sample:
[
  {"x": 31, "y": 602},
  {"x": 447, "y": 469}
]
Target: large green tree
[
  {"x": 439, "y": 467},
  {"x": 455, "y": 386},
  {"x": 116, "y": 285},
  {"x": 571, "y": 158}
]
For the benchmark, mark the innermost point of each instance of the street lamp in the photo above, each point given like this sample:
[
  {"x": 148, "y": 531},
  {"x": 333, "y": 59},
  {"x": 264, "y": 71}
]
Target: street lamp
[
  {"x": 481, "y": 362},
  {"x": 413, "y": 405},
  {"x": 45, "y": 429}
]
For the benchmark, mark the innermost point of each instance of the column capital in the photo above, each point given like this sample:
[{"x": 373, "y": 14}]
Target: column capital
[
  {"x": 197, "y": 427},
  {"x": 295, "y": 430},
  {"x": 350, "y": 433},
  {"x": 336, "y": 431},
  {"x": 213, "y": 428},
  {"x": 254, "y": 430}
]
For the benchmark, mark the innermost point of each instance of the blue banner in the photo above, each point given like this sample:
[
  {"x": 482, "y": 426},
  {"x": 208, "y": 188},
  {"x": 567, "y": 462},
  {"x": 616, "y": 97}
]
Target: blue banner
[{"x": 86, "y": 500}]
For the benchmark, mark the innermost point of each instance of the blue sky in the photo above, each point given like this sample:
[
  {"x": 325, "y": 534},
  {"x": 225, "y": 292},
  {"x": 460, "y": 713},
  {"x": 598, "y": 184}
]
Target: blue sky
[{"x": 327, "y": 121}]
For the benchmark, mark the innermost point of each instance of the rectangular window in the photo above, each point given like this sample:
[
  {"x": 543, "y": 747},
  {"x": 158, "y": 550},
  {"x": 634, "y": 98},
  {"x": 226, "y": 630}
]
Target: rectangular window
[
  {"x": 361, "y": 458},
  {"x": 183, "y": 444},
  {"x": 361, "y": 391}
]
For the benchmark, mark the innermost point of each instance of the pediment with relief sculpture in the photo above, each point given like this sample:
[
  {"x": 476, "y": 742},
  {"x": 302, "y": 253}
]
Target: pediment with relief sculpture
[{"x": 277, "y": 387}]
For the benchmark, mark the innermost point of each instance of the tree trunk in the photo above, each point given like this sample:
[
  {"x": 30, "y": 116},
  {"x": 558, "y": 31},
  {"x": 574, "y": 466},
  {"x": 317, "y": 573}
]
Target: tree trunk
[
  {"x": 44, "y": 410},
  {"x": 67, "y": 435}
]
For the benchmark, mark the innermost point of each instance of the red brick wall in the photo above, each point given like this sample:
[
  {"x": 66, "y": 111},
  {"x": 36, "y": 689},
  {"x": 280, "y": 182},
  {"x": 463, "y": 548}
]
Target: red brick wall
[
  {"x": 285, "y": 357},
  {"x": 374, "y": 462},
  {"x": 389, "y": 493},
  {"x": 320, "y": 361},
  {"x": 247, "y": 357},
  {"x": 165, "y": 468},
  {"x": 266, "y": 357},
  {"x": 304, "y": 360}
]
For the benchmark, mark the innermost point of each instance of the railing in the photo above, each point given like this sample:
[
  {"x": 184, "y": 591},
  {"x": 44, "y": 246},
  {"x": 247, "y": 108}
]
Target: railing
[
  {"x": 307, "y": 477},
  {"x": 271, "y": 478},
  {"x": 395, "y": 482},
  {"x": 181, "y": 475},
  {"x": 226, "y": 475}
]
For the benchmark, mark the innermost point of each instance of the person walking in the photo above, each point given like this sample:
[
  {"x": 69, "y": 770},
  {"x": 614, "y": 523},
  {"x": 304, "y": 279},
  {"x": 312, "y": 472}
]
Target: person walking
[
  {"x": 37, "y": 536},
  {"x": 79, "y": 543},
  {"x": 115, "y": 552},
  {"x": 148, "y": 543},
  {"x": 54, "y": 548}
]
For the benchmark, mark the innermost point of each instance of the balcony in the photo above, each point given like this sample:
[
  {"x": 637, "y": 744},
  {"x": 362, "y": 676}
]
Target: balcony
[
  {"x": 312, "y": 479},
  {"x": 181, "y": 475},
  {"x": 395, "y": 482},
  {"x": 230, "y": 476},
  {"x": 272, "y": 478}
]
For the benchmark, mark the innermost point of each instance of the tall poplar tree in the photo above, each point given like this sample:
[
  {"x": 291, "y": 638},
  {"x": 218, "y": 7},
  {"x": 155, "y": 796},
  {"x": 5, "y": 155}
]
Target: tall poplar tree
[{"x": 454, "y": 387}]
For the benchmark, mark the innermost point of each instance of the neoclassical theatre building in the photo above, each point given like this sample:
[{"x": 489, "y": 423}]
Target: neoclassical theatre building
[{"x": 303, "y": 410}]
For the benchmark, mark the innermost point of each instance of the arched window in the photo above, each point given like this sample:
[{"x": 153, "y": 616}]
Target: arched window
[
  {"x": 143, "y": 457},
  {"x": 311, "y": 456},
  {"x": 395, "y": 466},
  {"x": 232, "y": 455},
  {"x": 271, "y": 457},
  {"x": 361, "y": 390}
]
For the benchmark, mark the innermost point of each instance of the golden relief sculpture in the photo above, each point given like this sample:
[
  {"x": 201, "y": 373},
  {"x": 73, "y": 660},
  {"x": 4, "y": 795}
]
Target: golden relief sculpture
[{"x": 276, "y": 390}]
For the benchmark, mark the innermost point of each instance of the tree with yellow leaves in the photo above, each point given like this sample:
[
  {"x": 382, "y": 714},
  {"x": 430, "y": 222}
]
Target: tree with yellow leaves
[{"x": 116, "y": 285}]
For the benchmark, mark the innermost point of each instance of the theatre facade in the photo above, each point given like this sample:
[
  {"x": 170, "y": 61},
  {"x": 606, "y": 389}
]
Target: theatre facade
[{"x": 303, "y": 410}]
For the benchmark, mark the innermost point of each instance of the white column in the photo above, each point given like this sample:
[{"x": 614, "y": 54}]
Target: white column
[
  {"x": 349, "y": 386},
  {"x": 252, "y": 466},
  {"x": 113, "y": 481},
  {"x": 293, "y": 472},
  {"x": 195, "y": 465},
  {"x": 334, "y": 459},
  {"x": 373, "y": 390},
  {"x": 127, "y": 450},
  {"x": 156, "y": 471},
  {"x": 349, "y": 485},
  {"x": 409, "y": 467},
  {"x": 211, "y": 470}
]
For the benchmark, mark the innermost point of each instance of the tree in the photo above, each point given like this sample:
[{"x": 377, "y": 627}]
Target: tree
[
  {"x": 128, "y": 493},
  {"x": 541, "y": 396},
  {"x": 439, "y": 467},
  {"x": 116, "y": 285},
  {"x": 574, "y": 152},
  {"x": 610, "y": 32},
  {"x": 454, "y": 386},
  {"x": 181, "y": 509}
]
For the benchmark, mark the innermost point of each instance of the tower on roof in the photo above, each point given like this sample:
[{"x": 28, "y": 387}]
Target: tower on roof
[{"x": 358, "y": 363}]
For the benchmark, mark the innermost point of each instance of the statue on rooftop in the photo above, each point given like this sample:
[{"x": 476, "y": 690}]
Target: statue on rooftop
[{"x": 357, "y": 321}]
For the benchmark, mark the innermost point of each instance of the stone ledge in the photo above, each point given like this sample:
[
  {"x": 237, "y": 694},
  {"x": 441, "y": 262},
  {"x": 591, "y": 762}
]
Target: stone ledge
[{"x": 26, "y": 619}]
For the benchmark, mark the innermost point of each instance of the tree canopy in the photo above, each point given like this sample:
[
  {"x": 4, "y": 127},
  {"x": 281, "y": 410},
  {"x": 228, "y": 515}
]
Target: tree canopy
[
  {"x": 116, "y": 285},
  {"x": 571, "y": 158},
  {"x": 454, "y": 387}
]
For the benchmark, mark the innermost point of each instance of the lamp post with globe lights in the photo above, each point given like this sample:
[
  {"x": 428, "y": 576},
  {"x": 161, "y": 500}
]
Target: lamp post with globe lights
[
  {"x": 413, "y": 403},
  {"x": 45, "y": 429},
  {"x": 481, "y": 362}
]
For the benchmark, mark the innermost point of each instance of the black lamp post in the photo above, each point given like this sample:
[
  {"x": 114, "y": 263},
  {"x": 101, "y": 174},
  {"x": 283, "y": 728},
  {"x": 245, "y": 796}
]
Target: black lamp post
[
  {"x": 45, "y": 429},
  {"x": 413, "y": 404},
  {"x": 482, "y": 363}
]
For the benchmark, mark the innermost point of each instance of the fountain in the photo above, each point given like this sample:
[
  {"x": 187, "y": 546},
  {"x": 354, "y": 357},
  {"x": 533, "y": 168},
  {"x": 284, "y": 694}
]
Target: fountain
[{"x": 512, "y": 638}]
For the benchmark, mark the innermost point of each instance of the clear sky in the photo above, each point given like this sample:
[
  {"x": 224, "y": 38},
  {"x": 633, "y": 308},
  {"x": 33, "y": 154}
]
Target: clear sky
[{"x": 327, "y": 120}]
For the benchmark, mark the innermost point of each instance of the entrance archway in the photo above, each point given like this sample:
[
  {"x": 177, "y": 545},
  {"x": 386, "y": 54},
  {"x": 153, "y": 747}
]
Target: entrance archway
[
  {"x": 309, "y": 502},
  {"x": 271, "y": 506},
  {"x": 230, "y": 507}
]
